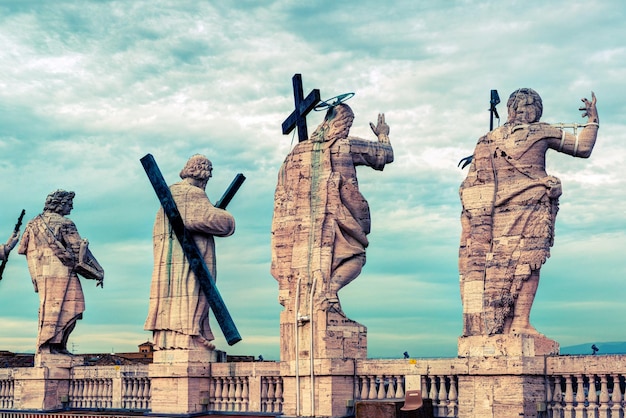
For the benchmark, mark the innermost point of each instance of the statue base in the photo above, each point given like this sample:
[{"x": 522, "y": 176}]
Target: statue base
[
  {"x": 509, "y": 345},
  {"x": 45, "y": 386},
  {"x": 180, "y": 379}
]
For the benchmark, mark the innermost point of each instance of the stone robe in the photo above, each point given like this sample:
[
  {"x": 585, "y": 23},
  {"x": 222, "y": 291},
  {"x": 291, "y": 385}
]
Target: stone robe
[
  {"x": 321, "y": 220},
  {"x": 51, "y": 244},
  {"x": 179, "y": 311},
  {"x": 509, "y": 212}
]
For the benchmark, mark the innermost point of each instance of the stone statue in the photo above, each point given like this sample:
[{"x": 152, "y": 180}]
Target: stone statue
[
  {"x": 321, "y": 220},
  {"x": 55, "y": 253},
  {"x": 178, "y": 315},
  {"x": 509, "y": 210}
]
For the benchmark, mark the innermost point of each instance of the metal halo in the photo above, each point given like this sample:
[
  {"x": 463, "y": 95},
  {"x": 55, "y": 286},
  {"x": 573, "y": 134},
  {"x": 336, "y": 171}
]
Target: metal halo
[{"x": 333, "y": 101}]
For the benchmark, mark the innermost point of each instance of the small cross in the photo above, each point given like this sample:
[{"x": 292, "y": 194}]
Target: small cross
[{"x": 303, "y": 107}]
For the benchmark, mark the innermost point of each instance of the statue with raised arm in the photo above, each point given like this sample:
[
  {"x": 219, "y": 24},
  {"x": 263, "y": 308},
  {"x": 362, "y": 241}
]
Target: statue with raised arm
[
  {"x": 321, "y": 220},
  {"x": 178, "y": 314},
  {"x": 509, "y": 211},
  {"x": 56, "y": 253}
]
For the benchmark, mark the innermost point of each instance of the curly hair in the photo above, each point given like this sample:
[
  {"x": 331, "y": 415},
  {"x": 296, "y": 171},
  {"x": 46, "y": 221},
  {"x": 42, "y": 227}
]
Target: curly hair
[
  {"x": 56, "y": 200},
  {"x": 525, "y": 96},
  {"x": 198, "y": 167}
]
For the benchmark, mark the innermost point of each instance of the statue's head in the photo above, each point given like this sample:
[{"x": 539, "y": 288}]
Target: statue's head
[
  {"x": 59, "y": 201},
  {"x": 198, "y": 167},
  {"x": 339, "y": 119},
  {"x": 524, "y": 106},
  {"x": 337, "y": 124}
]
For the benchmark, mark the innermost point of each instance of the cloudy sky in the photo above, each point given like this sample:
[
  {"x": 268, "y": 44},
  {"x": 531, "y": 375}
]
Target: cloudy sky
[{"x": 87, "y": 88}]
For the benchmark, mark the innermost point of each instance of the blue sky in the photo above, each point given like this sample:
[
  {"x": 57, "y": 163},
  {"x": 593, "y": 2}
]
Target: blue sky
[{"x": 88, "y": 88}]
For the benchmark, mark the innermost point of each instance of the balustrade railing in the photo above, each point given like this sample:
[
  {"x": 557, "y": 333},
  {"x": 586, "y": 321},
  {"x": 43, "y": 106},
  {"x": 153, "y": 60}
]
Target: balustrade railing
[
  {"x": 576, "y": 386},
  {"x": 7, "y": 388},
  {"x": 586, "y": 386},
  {"x": 390, "y": 379}
]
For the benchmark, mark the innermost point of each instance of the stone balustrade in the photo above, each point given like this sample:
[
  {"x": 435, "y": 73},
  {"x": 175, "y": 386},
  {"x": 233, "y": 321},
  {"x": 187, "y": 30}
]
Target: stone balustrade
[
  {"x": 7, "y": 390},
  {"x": 586, "y": 386},
  {"x": 110, "y": 387},
  {"x": 576, "y": 386},
  {"x": 245, "y": 387}
]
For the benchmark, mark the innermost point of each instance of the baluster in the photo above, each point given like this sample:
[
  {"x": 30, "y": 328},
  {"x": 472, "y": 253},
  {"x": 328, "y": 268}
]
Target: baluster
[
  {"x": 453, "y": 397},
  {"x": 579, "y": 405},
  {"x": 364, "y": 388},
  {"x": 593, "y": 397},
  {"x": 424, "y": 384},
  {"x": 231, "y": 393},
  {"x": 125, "y": 393},
  {"x": 140, "y": 388},
  {"x": 616, "y": 398},
  {"x": 149, "y": 403},
  {"x": 110, "y": 393},
  {"x": 71, "y": 393},
  {"x": 372, "y": 386},
  {"x": 391, "y": 388},
  {"x": 442, "y": 395},
  {"x": 279, "y": 394},
  {"x": 135, "y": 393},
  {"x": 433, "y": 391},
  {"x": 217, "y": 398},
  {"x": 91, "y": 393},
  {"x": 100, "y": 393},
  {"x": 557, "y": 398},
  {"x": 569, "y": 396},
  {"x": 245, "y": 394},
  {"x": 604, "y": 397},
  {"x": 399, "y": 387},
  {"x": 4, "y": 384},
  {"x": 381, "y": 387},
  {"x": 271, "y": 394},
  {"x": 238, "y": 398},
  {"x": 264, "y": 384}
]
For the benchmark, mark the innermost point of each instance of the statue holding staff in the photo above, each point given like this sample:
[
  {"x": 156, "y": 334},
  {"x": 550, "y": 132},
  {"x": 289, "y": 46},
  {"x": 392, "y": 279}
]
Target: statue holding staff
[
  {"x": 56, "y": 253},
  {"x": 509, "y": 211}
]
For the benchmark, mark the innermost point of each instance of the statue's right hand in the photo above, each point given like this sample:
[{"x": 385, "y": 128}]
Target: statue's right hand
[{"x": 589, "y": 109}]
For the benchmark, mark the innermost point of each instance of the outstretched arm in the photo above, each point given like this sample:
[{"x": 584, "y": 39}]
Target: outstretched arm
[{"x": 581, "y": 145}]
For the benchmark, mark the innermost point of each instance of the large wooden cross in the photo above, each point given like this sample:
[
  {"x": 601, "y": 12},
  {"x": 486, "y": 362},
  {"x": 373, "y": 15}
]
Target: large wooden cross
[
  {"x": 303, "y": 107},
  {"x": 190, "y": 249}
]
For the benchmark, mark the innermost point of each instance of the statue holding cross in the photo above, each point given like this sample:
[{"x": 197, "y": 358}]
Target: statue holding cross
[
  {"x": 181, "y": 291},
  {"x": 321, "y": 220}
]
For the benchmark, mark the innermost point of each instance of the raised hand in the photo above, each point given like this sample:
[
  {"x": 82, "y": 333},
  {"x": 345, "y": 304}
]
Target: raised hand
[{"x": 589, "y": 109}]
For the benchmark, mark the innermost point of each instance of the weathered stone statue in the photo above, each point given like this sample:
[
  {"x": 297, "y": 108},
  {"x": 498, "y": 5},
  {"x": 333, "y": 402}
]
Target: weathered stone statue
[
  {"x": 178, "y": 315},
  {"x": 321, "y": 220},
  {"x": 509, "y": 210},
  {"x": 55, "y": 252}
]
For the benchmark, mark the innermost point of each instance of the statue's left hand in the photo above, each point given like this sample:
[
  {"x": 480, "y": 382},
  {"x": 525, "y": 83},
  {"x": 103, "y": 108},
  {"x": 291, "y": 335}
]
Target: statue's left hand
[
  {"x": 589, "y": 109},
  {"x": 12, "y": 241},
  {"x": 100, "y": 283},
  {"x": 381, "y": 128}
]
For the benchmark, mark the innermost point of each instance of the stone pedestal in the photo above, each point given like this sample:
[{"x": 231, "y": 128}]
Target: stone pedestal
[
  {"x": 180, "y": 380},
  {"x": 328, "y": 393},
  {"x": 328, "y": 343},
  {"x": 506, "y": 375},
  {"x": 512, "y": 345},
  {"x": 45, "y": 386}
]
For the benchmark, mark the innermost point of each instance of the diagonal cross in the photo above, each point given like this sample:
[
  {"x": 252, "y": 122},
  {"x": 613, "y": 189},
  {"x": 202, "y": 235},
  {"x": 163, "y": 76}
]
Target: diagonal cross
[{"x": 303, "y": 107}]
